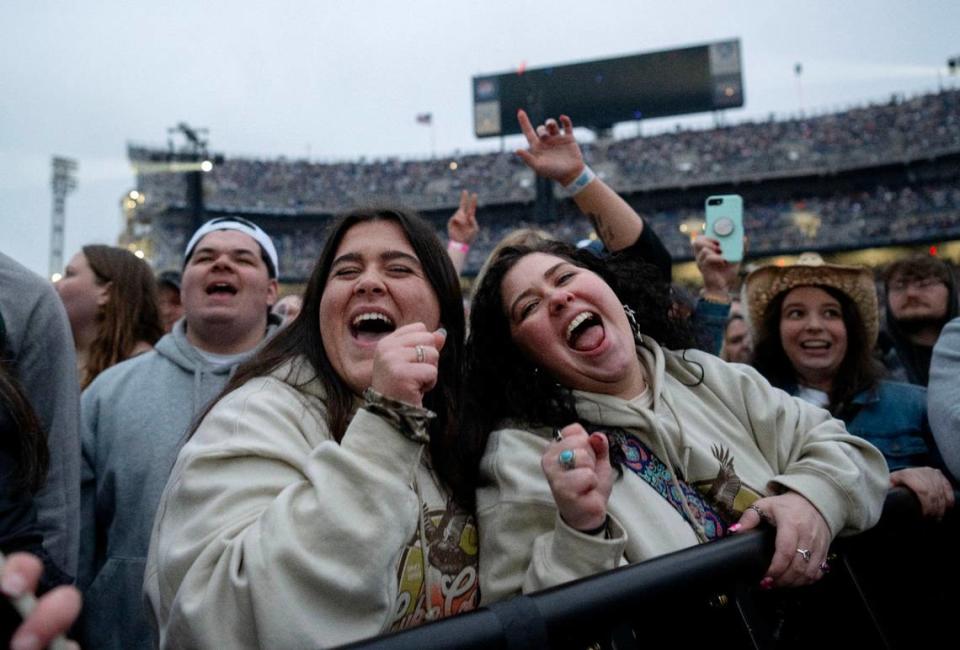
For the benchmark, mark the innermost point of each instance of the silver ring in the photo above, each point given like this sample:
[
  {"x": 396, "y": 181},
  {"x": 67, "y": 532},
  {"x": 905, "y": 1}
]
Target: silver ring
[
  {"x": 804, "y": 553},
  {"x": 557, "y": 435},
  {"x": 760, "y": 513},
  {"x": 420, "y": 356},
  {"x": 567, "y": 459}
]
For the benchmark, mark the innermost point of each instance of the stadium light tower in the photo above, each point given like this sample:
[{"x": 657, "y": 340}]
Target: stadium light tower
[
  {"x": 62, "y": 183},
  {"x": 194, "y": 151}
]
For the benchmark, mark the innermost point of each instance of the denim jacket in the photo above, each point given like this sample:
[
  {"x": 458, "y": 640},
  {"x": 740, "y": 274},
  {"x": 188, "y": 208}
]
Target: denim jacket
[{"x": 893, "y": 418}]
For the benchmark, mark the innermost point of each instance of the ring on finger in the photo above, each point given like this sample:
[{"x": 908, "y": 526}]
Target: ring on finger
[
  {"x": 557, "y": 435},
  {"x": 759, "y": 511},
  {"x": 420, "y": 356},
  {"x": 804, "y": 553},
  {"x": 567, "y": 459}
]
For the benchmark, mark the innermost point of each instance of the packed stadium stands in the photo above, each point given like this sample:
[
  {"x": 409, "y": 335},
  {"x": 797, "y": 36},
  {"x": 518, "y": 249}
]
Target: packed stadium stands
[{"x": 870, "y": 176}]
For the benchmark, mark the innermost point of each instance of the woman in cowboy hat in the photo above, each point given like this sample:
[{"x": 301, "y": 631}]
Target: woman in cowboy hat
[{"x": 815, "y": 326}]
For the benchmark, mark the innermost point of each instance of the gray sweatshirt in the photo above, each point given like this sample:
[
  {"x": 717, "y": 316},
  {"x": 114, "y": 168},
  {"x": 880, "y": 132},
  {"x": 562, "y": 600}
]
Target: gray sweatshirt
[
  {"x": 134, "y": 417},
  {"x": 39, "y": 344}
]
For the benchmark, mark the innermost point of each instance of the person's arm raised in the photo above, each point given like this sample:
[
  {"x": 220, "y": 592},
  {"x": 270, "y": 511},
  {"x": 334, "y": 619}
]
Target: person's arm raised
[
  {"x": 553, "y": 153},
  {"x": 462, "y": 229}
]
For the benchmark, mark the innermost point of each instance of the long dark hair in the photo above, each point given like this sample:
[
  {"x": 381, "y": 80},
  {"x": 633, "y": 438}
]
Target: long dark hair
[
  {"x": 130, "y": 314},
  {"x": 503, "y": 384},
  {"x": 302, "y": 337},
  {"x": 27, "y": 438},
  {"x": 859, "y": 370}
]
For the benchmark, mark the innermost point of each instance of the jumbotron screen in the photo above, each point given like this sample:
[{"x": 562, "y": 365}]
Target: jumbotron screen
[{"x": 598, "y": 94}]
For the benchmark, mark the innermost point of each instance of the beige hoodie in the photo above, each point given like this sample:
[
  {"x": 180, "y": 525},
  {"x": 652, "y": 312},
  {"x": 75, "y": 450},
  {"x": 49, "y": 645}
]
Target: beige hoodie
[
  {"x": 731, "y": 434},
  {"x": 271, "y": 535}
]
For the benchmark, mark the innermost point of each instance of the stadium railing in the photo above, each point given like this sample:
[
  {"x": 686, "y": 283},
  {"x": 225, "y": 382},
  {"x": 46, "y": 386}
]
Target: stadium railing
[{"x": 892, "y": 586}]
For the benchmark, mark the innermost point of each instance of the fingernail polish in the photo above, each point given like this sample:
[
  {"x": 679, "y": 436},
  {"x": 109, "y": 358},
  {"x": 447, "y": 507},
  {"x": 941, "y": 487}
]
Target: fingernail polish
[
  {"x": 766, "y": 583},
  {"x": 442, "y": 331},
  {"x": 734, "y": 528}
]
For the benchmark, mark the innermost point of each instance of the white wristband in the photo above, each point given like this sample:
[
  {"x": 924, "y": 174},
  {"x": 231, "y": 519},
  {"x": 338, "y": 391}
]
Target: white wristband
[{"x": 581, "y": 181}]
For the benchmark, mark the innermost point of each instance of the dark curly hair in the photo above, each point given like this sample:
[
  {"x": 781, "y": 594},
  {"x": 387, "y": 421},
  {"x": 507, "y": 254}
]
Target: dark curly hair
[{"x": 503, "y": 384}]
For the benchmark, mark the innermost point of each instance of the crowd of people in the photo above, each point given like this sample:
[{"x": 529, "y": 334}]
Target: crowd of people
[
  {"x": 891, "y": 132},
  {"x": 363, "y": 461},
  {"x": 877, "y": 214},
  {"x": 878, "y": 217}
]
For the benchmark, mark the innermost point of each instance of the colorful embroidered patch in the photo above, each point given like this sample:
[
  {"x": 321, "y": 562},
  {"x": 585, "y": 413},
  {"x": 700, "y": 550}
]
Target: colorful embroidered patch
[{"x": 638, "y": 458}]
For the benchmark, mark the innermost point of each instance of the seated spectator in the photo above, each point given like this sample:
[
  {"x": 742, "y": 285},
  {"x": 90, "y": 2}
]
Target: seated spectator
[
  {"x": 168, "y": 299},
  {"x": 943, "y": 399},
  {"x": 921, "y": 297},
  {"x": 815, "y": 325},
  {"x": 317, "y": 502},
  {"x": 111, "y": 301},
  {"x": 657, "y": 450}
]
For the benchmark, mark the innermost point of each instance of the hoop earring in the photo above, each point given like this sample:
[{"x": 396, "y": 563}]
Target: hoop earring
[{"x": 632, "y": 318}]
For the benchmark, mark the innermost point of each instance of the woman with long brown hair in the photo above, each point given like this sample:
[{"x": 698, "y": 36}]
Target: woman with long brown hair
[{"x": 111, "y": 300}]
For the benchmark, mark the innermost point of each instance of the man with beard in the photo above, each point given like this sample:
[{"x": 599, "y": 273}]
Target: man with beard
[{"x": 921, "y": 298}]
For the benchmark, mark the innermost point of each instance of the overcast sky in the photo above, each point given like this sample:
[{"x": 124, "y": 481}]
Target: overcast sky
[{"x": 338, "y": 80}]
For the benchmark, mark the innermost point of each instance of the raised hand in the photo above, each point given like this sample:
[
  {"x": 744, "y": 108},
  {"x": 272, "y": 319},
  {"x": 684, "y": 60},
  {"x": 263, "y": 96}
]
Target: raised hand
[
  {"x": 462, "y": 226},
  {"x": 553, "y": 150},
  {"x": 578, "y": 470},
  {"x": 719, "y": 275},
  {"x": 405, "y": 363}
]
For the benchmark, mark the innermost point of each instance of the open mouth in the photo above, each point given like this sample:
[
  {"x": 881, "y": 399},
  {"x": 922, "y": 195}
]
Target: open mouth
[
  {"x": 371, "y": 326},
  {"x": 585, "y": 332},
  {"x": 223, "y": 288},
  {"x": 816, "y": 347}
]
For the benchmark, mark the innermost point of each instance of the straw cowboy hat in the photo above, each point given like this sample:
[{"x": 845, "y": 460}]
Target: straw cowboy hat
[{"x": 767, "y": 282}]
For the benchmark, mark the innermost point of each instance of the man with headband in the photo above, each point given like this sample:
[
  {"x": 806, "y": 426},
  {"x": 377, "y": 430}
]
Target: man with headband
[{"x": 136, "y": 414}]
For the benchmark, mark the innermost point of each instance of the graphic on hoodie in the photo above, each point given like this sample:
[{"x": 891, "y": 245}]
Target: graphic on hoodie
[
  {"x": 726, "y": 492},
  {"x": 447, "y": 584}
]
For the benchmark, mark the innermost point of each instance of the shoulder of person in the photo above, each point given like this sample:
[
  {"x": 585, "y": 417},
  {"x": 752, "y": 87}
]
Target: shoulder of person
[
  {"x": 124, "y": 375},
  {"x": 512, "y": 439},
  {"x": 901, "y": 391}
]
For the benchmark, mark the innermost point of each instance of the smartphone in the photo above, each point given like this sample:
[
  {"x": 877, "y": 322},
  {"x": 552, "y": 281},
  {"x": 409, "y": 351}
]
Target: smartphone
[{"x": 725, "y": 224}]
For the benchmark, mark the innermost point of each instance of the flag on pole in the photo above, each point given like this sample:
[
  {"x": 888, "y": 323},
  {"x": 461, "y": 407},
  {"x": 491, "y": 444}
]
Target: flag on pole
[{"x": 425, "y": 118}]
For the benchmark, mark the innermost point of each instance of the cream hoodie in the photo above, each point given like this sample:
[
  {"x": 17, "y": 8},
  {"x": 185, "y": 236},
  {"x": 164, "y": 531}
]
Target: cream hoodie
[
  {"x": 271, "y": 535},
  {"x": 731, "y": 434}
]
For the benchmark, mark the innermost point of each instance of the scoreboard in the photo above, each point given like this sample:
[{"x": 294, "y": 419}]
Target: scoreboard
[{"x": 598, "y": 94}]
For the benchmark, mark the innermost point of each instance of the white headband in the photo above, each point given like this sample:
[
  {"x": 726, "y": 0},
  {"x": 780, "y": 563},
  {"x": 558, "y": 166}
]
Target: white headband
[{"x": 244, "y": 226}]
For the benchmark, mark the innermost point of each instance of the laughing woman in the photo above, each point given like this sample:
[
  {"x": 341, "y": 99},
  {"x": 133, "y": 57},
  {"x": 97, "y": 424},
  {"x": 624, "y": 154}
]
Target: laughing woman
[
  {"x": 657, "y": 449},
  {"x": 316, "y": 502}
]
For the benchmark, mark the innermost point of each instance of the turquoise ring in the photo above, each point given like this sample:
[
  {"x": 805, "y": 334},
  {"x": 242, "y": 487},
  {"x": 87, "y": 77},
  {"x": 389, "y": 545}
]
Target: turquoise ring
[{"x": 567, "y": 459}]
